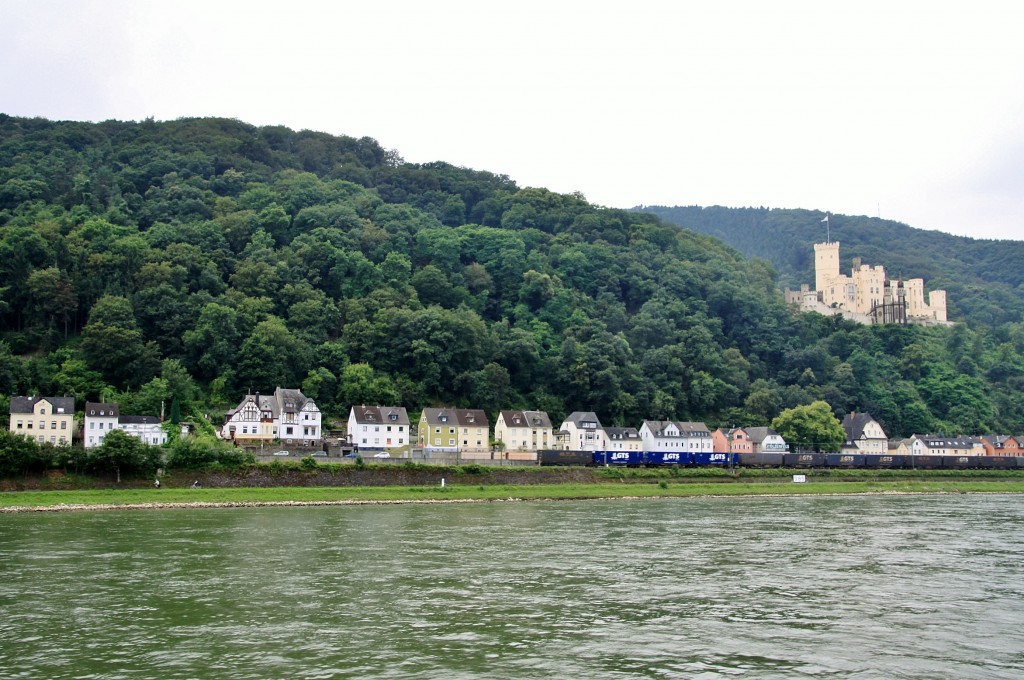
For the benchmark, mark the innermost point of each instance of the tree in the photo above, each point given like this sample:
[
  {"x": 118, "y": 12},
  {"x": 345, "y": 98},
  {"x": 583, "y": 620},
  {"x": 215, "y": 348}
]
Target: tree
[
  {"x": 812, "y": 426},
  {"x": 121, "y": 452},
  {"x": 113, "y": 344}
]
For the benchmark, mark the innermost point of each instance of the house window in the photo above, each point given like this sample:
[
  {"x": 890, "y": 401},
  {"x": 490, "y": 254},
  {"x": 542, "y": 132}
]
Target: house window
[
  {"x": 42, "y": 424},
  {"x": 437, "y": 441},
  {"x": 53, "y": 424},
  {"x": 92, "y": 426},
  {"x": 288, "y": 430},
  {"x": 20, "y": 425},
  {"x": 42, "y": 411},
  {"x": 451, "y": 442}
]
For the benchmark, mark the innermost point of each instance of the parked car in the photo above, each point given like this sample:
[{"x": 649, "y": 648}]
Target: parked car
[
  {"x": 382, "y": 454},
  {"x": 319, "y": 453},
  {"x": 281, "y": 453}
]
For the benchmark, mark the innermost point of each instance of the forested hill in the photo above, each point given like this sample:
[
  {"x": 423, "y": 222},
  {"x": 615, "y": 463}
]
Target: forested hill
[
  {"x": 984, "y": 279},
  {"x": 190, "y": 262}
]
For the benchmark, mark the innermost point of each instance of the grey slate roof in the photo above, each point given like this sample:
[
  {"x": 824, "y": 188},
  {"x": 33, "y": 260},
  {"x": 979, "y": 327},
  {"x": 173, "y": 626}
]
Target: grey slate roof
[
  {"x": 580, "y": 417},
  {"x": 854, "y": 424},
  {"x": 139, "y": 420},
  {"x": 759, "y": 434},
  {"x": 61, "y": 405},
  {"x": 376, "y": 415},
  {"x": 94, "y": 409},
  {"x": 622, "y": 433},
  {"x": 526, "y": 419}
]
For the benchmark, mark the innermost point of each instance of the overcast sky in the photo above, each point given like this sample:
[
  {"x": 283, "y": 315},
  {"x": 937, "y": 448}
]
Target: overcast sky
[{"x": 912, "y": 111}]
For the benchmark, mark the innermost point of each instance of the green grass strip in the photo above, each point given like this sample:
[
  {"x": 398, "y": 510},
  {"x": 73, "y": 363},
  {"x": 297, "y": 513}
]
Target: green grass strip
[{"x": 454, "y": 492}]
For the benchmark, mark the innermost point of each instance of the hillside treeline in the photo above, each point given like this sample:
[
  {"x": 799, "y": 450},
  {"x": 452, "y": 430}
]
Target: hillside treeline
[{"x": 187, "y": 263}]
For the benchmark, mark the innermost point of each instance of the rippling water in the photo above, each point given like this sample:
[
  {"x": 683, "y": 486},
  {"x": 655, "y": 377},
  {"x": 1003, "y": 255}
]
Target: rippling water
[{"x": 855, "y": 587}]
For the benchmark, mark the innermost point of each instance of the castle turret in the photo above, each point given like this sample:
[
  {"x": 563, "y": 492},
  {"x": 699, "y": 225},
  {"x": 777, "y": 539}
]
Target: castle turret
[{"x": 826, "y": 264}]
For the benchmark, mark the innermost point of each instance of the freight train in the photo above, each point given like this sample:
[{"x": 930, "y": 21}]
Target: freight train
[{"x": 786, "y": 460}]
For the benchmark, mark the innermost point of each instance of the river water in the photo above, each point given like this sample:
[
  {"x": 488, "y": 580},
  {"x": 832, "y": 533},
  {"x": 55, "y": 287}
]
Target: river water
[{"x": 847, "y": 587}]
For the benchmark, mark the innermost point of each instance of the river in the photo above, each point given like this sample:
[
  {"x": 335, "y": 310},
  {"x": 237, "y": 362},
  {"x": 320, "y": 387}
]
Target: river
[{"x": 790, "y": 587}]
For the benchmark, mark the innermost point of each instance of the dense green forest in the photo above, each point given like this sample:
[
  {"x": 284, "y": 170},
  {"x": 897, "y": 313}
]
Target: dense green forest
[
  {"x": 190, "y": 262},
  {"x": 983, "y": 278}
]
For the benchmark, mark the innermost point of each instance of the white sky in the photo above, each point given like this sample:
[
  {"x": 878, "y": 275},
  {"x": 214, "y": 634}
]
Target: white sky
[{"x": 913, "y": 111}]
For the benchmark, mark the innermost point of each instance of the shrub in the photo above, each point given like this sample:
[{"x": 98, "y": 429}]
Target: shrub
[{"x": 308, "y": 463}]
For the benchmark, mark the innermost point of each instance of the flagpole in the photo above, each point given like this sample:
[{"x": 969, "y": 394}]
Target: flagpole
[{"x": 828, "y": 230}]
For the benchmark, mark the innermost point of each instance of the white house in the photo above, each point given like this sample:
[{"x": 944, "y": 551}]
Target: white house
[
  {"x": 669, "y": 435},
  {"x": 524, "y": 431},
  {"x": 99, "y": 419},
  {"x": 623, "y": 439},
  {"x": 766, "y": 440},
  {"x": 147, "y": 428},
  {"x": 864, "y": 435},
  {"x": 582, "y": 431},
  {"x": 378, "y": 427},
  {"x": 287, "y": 415}
]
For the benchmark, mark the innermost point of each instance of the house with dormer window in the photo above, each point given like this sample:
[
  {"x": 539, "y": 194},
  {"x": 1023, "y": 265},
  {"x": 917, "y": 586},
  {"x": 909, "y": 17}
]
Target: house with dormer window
[
  {"x": 524, "y": 432},
  {"x": 466, "y": 432},
  {"x": 100, "y": 418},
  {"x": 669, "y": 435},
  {"x": 864, "y": 435},
  {"x": 582, "y": 431},
  {"x": 732, "y": 440},
  {"x": 287, "y": 415},
  {"x": 44, "y": 420},
  {"x": 378, "y": 428}
]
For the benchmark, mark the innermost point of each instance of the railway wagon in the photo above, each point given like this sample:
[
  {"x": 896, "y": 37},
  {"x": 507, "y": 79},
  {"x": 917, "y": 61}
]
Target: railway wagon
[
  {"x": 713, "y": 459},
  {"x": 803, "y": 460},
  {"x": 662, "y": 458},
  {"x": 844, "y": 460},
  {"x": 622, "y": 458},
  {"x": 876, "y": 461},
  {"x": 959, "y": 462},
  {"x": 555, "y": 457},
  {"x": 760, "y": 460},
  {"x": 997, "y": 462},
  {"x": 925, "y": 462}
]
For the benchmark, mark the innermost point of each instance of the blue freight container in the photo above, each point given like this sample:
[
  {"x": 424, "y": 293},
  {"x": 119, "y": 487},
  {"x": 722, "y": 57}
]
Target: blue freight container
[
  {"x": 625, "y": 458},
  {"x": 659, "y": 458},
  {"x": 713, "y": 459}
]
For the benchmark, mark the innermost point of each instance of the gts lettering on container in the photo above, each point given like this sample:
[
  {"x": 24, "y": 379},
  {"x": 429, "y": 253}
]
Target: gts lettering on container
[
  {"x": 620, "y": 455},
  {"x": 671, "y": 457},
  {"x": 717, "y": 456}
]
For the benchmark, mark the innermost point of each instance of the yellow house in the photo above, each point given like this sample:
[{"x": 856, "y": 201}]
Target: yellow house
[{"x": 44, "y": 419}]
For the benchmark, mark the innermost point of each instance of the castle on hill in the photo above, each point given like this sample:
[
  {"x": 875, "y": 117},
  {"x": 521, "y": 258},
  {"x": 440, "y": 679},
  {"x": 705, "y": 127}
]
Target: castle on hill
[{"x": 866, "y": 295}]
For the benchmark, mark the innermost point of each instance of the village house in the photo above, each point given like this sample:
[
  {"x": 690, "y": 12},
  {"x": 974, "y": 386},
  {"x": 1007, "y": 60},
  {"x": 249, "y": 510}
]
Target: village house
[
  {"x": 523, "y": 432},
  {"x": 733, "y": 440},
  {"x": 1001, "y": 445},
  {"x": 864, "y": 435},
  {"x": 287, "y": 415},
  {"x": 623, "y": 439},
  {"x": 43, "y": 419},
  {"x": 766, "y": 440},
  {"x": 455, "y": 430},
  {"x": 381, "y": 428},
  {"x": 582, "y": 431},
  {"x": 101, "y": 418},
  {"x": 147, "y": 428},
  {"x": 937, "y": 445},
  {"x": 668, "y": 435},
  {"x": 438, "y": 431}
]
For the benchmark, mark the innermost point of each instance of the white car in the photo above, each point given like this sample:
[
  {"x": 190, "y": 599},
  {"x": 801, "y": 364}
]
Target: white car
[
  {"x": 281, "y": 453},
  {"x": 382, "y": 454}
]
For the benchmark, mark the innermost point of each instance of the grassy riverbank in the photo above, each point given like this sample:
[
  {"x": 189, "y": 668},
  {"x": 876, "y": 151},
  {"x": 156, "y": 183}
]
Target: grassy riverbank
[{"x": 173, "y": 497}]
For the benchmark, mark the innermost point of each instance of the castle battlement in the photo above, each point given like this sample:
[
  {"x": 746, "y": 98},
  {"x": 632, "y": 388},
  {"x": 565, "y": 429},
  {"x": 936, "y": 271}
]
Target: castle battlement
[{"x": 867, "y": 295}]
